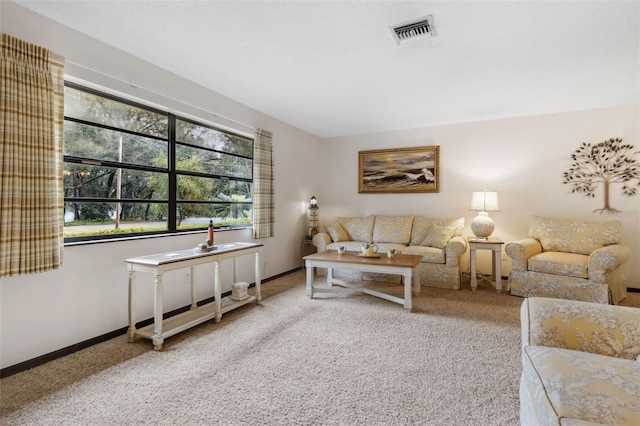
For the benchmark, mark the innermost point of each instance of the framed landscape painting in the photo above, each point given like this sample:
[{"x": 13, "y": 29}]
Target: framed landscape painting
[{"x": 399, "y": 170}]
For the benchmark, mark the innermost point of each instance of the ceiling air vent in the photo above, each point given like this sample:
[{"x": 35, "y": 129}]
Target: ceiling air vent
[{"x": 415, "y": 29}]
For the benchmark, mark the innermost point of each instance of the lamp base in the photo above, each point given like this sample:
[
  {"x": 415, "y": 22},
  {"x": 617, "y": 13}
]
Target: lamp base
[{"x": 482, "y": 226}]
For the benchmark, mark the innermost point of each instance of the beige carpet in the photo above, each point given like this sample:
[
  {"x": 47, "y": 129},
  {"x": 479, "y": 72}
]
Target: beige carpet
[{"x": 355, "y": 360}]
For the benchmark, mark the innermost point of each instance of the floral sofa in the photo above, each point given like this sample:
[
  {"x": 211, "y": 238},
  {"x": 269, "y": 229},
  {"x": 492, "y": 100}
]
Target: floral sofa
[
  {"x": 580, "y": 363},
  {"x": 438, "y": 241},
  {"x": 569, "y": 259}
]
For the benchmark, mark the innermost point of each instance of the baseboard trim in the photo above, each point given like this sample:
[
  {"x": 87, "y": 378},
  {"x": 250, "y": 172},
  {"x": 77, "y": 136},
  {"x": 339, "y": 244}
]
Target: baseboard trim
[
  {"x": 43, "y": 359},
  {"x": 633, "y": 290}
]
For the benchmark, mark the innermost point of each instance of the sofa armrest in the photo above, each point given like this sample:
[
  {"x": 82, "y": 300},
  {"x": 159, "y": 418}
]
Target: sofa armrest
[
  {"x": 456, "y": 247},
  {"x": 521, "y": 250},
  {"x": 321, "y": 240},
  {"x": 583, "y": 326},
  {"x": 607, "y": 259}
]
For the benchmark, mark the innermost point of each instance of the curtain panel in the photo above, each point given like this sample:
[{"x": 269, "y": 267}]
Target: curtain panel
[
  {"x": 263, "y": 186},
  {"x": 31, "y": 165}
]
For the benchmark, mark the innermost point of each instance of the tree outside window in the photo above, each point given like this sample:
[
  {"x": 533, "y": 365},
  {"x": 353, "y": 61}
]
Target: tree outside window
[{"x": 118, "y": 174}]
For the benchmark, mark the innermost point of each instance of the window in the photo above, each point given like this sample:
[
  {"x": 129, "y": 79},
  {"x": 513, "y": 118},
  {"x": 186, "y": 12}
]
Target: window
[{"x": 134, "y": 170}]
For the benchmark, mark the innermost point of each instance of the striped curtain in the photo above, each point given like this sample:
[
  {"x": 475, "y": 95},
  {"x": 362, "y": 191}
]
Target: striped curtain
[
  {"x": 31, "y": 192},
  {"x": 263, "y": 186}
]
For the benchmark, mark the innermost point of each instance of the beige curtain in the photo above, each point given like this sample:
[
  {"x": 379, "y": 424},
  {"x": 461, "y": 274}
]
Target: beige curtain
[
  {"x": 263, "y": 186},
  {"x": 31, "y": 192}
]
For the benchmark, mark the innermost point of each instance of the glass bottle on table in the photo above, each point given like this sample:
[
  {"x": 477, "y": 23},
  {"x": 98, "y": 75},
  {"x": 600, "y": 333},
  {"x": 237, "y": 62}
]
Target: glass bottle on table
[{"x": 210, "y": 240}]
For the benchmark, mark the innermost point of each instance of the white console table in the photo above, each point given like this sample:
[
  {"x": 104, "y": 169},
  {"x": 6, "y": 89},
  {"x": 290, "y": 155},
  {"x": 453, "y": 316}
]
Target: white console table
[{"x": 158, "y": 264}]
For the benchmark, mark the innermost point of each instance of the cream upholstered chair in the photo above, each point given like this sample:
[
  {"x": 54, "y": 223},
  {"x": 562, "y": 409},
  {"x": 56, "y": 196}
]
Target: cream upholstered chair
[
  {"x": 569, "y": 259},
  {"x": 580, "y": 363}
]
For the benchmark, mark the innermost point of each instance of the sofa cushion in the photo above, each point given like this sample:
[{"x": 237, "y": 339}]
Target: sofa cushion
[
  {"x": 337, "y": 232},
  {"x": 421, "y": 225},
  {"x": 574, "y": 236},
  {"x": 438, "y": 236},
  {"x": 392, "y": 229},
  {"x": 429, "y": 254},
  {"x": 358, "y": 228},
  {"x": 558, "y": 263},
  {"x": 581, "y": 385}
]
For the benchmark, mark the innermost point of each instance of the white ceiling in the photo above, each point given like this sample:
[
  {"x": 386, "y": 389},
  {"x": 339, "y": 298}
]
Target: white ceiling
[{"x": 333, "y": 68}]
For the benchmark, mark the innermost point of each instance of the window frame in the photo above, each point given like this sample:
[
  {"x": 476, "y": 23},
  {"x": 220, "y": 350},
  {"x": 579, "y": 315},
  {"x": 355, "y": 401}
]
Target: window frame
[{"x": 171, "y": 171}]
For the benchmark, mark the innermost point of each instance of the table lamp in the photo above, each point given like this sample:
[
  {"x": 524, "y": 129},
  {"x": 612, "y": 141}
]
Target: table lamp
[{"x": 483, "y": 202}]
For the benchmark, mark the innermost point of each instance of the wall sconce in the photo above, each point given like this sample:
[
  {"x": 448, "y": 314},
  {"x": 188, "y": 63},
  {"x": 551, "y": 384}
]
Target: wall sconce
[
  {"x": 313, "y": 217},
  {"x": 483, "y": 202}
]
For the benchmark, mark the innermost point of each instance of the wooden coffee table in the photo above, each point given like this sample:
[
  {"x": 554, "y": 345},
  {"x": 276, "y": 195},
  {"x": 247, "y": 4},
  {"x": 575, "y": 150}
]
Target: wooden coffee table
[{"x": 403, "y": 264}]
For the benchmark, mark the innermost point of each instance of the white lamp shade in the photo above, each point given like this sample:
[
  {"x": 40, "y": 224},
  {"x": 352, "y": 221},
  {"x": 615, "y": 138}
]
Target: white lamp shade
[{"x": 484, "y": 201}]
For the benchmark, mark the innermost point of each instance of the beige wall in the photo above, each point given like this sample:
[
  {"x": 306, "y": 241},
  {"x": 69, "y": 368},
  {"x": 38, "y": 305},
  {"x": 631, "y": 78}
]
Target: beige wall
[
  {"x": 521, "y": 158},
  {"x": 87, "y": 296}
]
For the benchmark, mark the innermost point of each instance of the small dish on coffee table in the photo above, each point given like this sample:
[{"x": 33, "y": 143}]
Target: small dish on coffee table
[{"x": 364, "y": 255}]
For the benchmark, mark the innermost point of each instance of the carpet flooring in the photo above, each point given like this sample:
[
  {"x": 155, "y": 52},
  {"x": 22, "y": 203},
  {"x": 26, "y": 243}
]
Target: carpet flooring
[{"x": 350, "y": 360}]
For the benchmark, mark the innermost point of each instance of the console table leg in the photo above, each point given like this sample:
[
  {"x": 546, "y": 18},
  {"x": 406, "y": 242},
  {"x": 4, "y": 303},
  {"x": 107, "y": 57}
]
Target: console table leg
[
  {"x": 158, "y": 340},
  {"x": 131, "y": 332},
  {"x": 217, "y": 290},
  {"x": 194, "y": 303}
]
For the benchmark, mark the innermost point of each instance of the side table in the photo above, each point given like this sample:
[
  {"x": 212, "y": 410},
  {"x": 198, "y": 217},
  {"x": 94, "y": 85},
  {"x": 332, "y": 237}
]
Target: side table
[
  {"x": 307, "y": 248},
  {"x": 490, "y": 243}
]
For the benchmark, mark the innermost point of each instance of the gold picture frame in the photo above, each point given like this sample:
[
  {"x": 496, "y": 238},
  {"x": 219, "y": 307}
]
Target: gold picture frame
[{"x": 402, "y": 170}]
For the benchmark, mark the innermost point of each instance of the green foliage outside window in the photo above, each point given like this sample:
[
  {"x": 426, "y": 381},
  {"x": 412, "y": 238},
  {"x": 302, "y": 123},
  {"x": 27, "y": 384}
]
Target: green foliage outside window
[{"x": 117, "y": 170}]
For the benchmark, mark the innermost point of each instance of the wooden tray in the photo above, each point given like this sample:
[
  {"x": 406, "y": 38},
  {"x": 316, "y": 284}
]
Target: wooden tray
[{"x": 356, "y": 254}]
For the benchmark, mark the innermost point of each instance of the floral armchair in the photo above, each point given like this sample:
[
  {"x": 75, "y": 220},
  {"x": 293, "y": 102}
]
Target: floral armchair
[
  {"x": 580, "y": 363},
  {"x": 569, "y": 259}
]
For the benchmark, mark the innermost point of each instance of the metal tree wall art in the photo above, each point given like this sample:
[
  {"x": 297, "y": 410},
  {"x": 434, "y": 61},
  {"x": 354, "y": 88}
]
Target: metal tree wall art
[{"x": 604, "y": 163}]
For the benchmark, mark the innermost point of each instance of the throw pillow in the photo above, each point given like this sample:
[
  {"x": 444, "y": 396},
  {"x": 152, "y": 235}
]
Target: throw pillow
[
  {"x": 392, "y": 229},
  {"x": 438, "y": 236},
  {"x": 358, "y": 228},
  {"x": 421, "y": 225},
  {"x": 337, "y": 232}
]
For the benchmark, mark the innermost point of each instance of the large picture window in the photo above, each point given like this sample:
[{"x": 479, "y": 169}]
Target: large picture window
[{"x": 134, "y": 170}]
